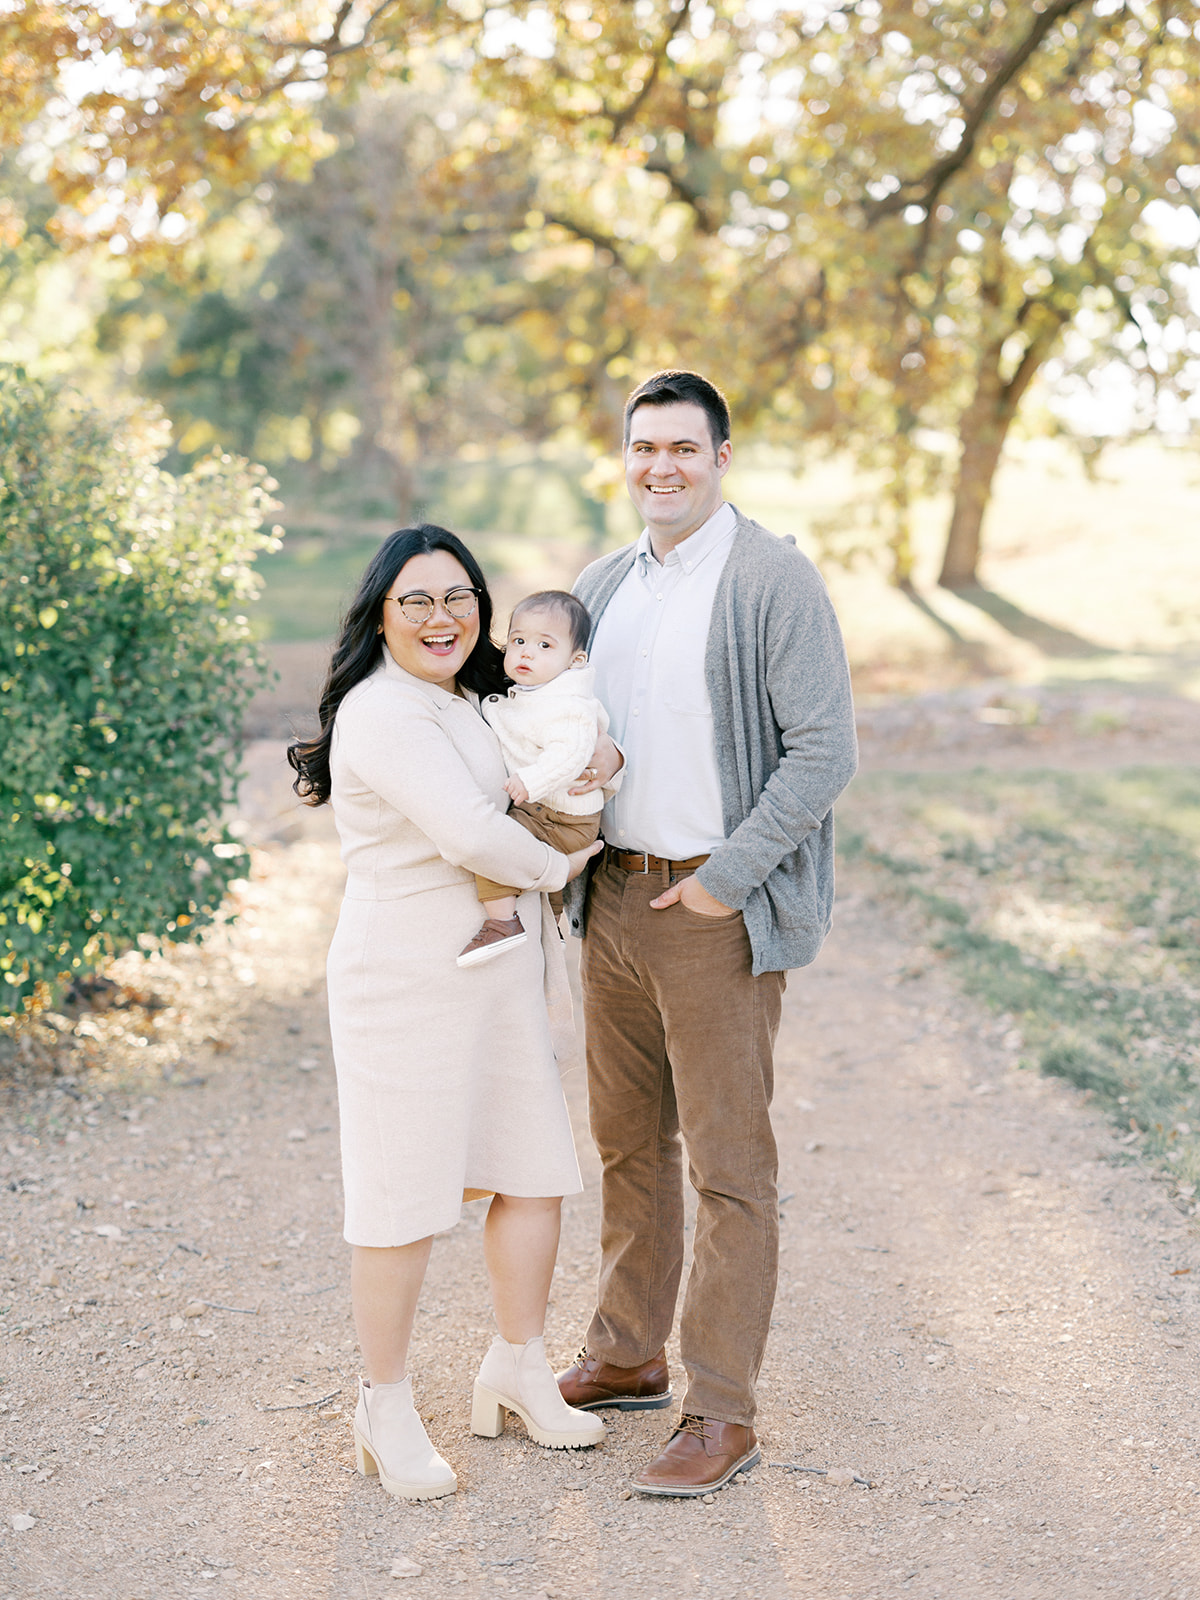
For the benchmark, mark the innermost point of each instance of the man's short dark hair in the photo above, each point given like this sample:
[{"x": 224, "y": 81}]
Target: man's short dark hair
[
  {"x": 678, "y": 387},
  {"x": 559, "y": 604}
]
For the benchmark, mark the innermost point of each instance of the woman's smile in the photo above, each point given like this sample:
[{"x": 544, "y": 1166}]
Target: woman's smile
[{"x": 441, "y": 644}]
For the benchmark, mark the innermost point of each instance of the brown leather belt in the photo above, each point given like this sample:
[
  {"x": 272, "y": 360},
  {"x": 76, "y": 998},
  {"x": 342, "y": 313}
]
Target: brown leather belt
[{"x": 639, "y": 861}]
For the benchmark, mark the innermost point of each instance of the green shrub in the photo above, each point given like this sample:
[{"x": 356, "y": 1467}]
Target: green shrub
[{"x": 125, "y": 666}]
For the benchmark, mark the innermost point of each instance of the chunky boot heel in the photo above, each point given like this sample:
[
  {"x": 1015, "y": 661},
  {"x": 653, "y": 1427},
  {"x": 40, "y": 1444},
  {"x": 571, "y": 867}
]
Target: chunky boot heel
[
  {"x": 389, "y": 1440},
  {"x": 517, "y": 1377},
  {"x": 487, "y": 1414}
]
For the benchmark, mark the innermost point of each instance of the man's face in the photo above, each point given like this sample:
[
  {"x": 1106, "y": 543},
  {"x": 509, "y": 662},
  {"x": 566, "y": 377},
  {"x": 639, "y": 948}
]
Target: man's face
[{"x": 671, "y": 470}]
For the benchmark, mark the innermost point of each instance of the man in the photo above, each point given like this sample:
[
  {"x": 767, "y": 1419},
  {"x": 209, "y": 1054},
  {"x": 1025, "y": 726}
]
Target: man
[{"x": 721, "y": 664}]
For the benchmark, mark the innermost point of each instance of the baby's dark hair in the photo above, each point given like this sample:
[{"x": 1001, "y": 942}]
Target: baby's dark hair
[{"x": 559, "y": 603}]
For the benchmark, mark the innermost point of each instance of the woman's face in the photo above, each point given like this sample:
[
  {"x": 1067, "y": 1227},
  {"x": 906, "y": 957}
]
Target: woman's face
[{"x": 437, "y": 648}]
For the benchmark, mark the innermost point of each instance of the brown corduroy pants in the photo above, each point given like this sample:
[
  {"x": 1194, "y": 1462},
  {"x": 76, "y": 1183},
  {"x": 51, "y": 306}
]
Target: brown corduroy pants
[{"x": 679, "y": 1052}]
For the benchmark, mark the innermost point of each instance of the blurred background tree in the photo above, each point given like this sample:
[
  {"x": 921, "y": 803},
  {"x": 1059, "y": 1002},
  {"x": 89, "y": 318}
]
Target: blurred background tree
[
  {"x": 366, "y": 242},
  {"x": 879, "y": 221}
]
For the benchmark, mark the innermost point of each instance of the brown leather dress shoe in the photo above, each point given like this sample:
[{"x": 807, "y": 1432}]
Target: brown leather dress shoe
[
  {"x": 590, "y": 1384},
  {"x": 701, "y": 1455}
]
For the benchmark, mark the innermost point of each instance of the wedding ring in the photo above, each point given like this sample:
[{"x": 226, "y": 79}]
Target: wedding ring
[{"x": 591, "y": 771}]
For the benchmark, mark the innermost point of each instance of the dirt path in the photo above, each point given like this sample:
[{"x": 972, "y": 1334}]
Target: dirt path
[{"x": 983, "y": 1312}]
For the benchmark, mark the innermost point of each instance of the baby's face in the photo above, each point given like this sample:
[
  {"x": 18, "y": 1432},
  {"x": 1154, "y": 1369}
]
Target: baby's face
[{"x": 539, "y": 648}]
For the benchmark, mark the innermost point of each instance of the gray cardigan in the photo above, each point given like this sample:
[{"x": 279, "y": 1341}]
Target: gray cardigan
[{"x": 784, "y": 726}]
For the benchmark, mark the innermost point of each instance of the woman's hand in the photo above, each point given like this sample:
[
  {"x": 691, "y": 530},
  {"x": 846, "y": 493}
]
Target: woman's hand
[
  {"x": 606, "y": 762},
  {"x": 578, "y": 859}
]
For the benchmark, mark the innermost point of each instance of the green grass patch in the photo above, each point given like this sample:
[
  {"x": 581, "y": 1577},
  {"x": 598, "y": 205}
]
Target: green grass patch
[
  {"x": 307, "y": 584},
  {"x": 1071, "y": 902}
]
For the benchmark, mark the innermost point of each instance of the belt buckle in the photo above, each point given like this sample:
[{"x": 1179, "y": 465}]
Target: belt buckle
[{"x": 645, "y": 855}]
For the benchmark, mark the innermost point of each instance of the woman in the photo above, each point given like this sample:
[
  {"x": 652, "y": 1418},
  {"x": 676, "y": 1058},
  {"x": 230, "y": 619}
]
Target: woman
[{"x": 447, "y": 1085}]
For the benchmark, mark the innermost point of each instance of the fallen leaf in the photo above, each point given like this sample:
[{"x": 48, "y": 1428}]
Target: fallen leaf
[
  {"x": 402, "y": 1567},
  {"x": 987, "y": 1430},
  {"x": 189, "y": 1418},
  {"x": 1021, "y": 1417},
  {"x": 22, "y": 1522},
  {"x": 108, "y": 1230},
  {"x": 839, "y": 1477},
  {"x": 194, "y": 1308}
]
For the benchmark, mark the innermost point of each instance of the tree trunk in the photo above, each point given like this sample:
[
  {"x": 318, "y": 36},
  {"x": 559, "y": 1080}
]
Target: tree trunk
[{"x": 982, "y": 432}]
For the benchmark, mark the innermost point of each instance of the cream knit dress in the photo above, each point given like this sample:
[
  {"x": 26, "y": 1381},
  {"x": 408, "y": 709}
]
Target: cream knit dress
[{"x": 446, "y": 1075}]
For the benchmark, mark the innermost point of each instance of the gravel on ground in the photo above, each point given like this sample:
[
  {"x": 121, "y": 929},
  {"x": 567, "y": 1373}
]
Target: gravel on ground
[{"x": 980, "y": 1382}]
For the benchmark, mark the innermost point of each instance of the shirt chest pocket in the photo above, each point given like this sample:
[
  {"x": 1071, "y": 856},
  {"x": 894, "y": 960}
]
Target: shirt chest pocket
[{"x": 679, "y": 681}]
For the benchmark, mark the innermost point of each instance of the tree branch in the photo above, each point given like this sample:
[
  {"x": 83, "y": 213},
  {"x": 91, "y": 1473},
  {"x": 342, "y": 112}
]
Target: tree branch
[
  {"x": 924, "y": 191},
  {"x": 1036, "y": 352},
  {"x": 330, "y": 48},
  {"x": 619, "y": 120},
  {"x": 592, "y": 236},
  {"x": 682, "y": 191}
]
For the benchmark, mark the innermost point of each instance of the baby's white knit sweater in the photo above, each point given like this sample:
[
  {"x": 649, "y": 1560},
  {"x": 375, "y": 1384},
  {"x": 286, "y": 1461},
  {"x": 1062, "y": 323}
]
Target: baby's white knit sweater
[{"x": 548, "y": 734}]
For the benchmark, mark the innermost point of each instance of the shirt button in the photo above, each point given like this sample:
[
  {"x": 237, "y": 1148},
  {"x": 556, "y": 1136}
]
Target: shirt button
[
  {"x": 636, "y": 712},
  {"x": 658, "y": 597},
  {"x": 621, "y": 831},
  {"x": 645, "y": 652}
]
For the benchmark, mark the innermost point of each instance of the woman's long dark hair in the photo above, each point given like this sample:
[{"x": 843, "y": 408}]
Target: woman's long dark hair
[{"x": 356, "y": 654}]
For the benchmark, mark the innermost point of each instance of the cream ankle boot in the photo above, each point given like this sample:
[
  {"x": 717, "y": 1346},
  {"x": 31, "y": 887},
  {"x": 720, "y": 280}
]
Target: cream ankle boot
[
  {"x": 517, "y": 1377},
  {"x": 389, "y": 1439}
]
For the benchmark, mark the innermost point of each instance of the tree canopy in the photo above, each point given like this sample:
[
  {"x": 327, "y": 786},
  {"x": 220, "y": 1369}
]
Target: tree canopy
[{"x": 874, "y": 223}]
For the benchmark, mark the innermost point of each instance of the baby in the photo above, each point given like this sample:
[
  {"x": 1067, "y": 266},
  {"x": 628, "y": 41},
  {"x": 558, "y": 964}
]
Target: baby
[{"x": 547, "y": 724}]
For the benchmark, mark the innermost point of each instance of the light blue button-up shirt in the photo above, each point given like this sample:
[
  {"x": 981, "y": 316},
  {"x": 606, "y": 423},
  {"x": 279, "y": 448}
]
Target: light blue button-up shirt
[{"x": 648, "y": 653}]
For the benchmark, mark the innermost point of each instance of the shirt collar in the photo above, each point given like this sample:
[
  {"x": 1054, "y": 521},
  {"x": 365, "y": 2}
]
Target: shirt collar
[
  {"x": 391, "y": 669},
  {"x": 697, "y": 547}
]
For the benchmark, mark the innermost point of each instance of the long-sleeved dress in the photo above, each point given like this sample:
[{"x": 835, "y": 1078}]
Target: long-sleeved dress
[{"x": 446, "y": 1076}]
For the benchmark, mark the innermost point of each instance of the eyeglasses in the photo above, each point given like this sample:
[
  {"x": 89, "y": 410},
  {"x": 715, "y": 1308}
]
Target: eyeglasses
[{"x": 418, "y": 607}]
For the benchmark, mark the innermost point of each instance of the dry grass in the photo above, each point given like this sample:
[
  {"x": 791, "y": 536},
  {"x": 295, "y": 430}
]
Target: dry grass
[{"x": 1069, "y": 903}]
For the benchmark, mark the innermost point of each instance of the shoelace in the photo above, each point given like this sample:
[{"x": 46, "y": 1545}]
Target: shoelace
[{"x": 695, "y": 1425}]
